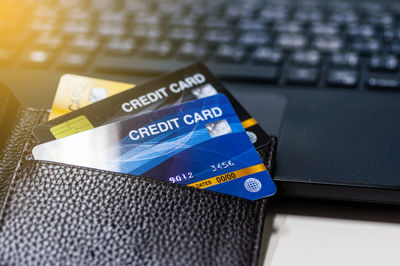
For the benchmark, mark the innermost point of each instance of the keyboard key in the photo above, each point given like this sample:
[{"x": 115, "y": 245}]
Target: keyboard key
[
  {"x": 114, "y": 16},
  {"x": 216, "y": 36},
  {"x": 394, "y": 47},
  {"x": 254, "y": 38},
  {"x": 6, "y": 56},
  {"x": 42, "y": 24},
  {"x": 320, "y": 28},
  {"x": 73, "y": 60},
  {"x": 74, "y": 27},
  {"x": 362, "y": 30},
  {"x": 344, "y": 16},
  {"x": 146, "y": 32},
  {"x": 229, "y": 53},
  {"x": 291, "y": 41},
  {"x": 308, "y": 15},
  {"x": 289, "y": 27},
  {"x": 120, "y": 45},
  {"x": 302, "y": 76},
  {"x": 274, "y": 14},
  {"x": 192, "y": 51},
  {"x": 37, "y": 58},
  {"x": 342, "y": 78},
  {"x": 182, "y": 34},
  {"x": 348, "y": 59},
  {"x": 157, "y": 49},
  {"x": 111, "y": 29},
  {"x": 83, "y": 43},
  {"x": 266, "y": 55},
  {"x": 383, "y": 63},
  {"x": 327, "y": 43},
  {"x": 252, "y": 25},
  {"x": 213, "y": 22},
  {"x": 383, "y": 83},
  {"x": 306, "y": 58},
  {"x": 366, "y": 47},
  {"x": 49, "y": 41}
]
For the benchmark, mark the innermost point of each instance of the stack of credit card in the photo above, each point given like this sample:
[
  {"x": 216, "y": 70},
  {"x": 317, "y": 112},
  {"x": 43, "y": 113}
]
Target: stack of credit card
[{"x": 184, "y": 128}]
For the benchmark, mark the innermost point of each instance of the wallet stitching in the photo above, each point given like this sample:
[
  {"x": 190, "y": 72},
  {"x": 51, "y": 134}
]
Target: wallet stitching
[{"x": 18, "y": 168}]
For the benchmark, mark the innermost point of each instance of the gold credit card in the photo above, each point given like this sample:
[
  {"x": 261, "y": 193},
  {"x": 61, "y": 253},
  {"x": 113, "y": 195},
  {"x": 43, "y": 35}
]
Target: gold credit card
[{"x": 75, "y": 92}]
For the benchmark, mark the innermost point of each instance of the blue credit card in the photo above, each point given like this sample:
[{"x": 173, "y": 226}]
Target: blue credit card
[{"x": 201, "y": 143}]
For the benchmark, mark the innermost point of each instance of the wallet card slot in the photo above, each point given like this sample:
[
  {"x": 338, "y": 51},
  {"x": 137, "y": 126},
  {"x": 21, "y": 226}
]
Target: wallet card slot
[{"x": 75, "y": 214}]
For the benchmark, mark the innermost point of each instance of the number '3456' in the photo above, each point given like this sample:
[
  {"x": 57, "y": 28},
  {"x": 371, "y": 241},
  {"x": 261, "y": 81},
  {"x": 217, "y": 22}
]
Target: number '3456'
[{"x": 222, "y": 165}]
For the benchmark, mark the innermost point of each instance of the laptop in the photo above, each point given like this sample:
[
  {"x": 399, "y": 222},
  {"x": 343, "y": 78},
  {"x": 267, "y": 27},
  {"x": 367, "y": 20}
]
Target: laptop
[{"x": 323, "y": 76}]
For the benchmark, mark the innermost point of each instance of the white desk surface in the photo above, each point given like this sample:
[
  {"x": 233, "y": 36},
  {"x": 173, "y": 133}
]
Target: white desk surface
[{"x": 320, "y": 233}]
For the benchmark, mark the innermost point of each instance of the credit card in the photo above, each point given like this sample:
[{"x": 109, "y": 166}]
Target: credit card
[
  {"x": 201, "y": 144},
  {"x": 187, "y": 84},
  {"x": 75, "y": 92}
]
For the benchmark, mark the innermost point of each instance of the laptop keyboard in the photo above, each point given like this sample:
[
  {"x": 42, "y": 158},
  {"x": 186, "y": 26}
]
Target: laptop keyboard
[{"x": 321, "y": 44}]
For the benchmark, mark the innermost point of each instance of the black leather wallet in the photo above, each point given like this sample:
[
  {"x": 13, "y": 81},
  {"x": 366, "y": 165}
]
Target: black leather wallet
[{"x": 61, "y": 214}]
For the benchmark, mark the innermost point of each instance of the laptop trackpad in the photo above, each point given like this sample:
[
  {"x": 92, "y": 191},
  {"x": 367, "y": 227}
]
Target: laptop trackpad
[
  {"x": 266, "y": 108},
  {"x": 341, "y": 138}
]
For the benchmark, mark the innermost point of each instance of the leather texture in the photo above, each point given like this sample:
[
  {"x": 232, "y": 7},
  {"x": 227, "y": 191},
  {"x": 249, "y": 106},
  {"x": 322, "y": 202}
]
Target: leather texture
[
  {"x": 17, "y": 146},
  {"x": 56, "y": 214}
]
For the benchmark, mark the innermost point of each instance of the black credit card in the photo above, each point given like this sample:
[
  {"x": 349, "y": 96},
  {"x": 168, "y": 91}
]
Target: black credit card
[{"x": 186, "y": 84}]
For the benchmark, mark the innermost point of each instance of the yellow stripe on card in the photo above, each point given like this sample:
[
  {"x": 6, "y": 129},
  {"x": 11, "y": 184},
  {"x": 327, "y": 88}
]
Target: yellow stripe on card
[
  {"x": 229, "y": 176},
  {"x": 70, "y": 127},
  {"x": 249, "y": 122}
]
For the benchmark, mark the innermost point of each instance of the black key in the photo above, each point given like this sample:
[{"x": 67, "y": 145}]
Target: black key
[
  {"x": 183, "y": 34},
  {"x": 274, "y": 14},
  {"x": 289, "y": 27},
  {"x": 83, "y": 43},
  {"x": 306, "y": 58},
  {"x": 266, "y": 55},
  {"x": 146, "y": 32},
  {"x": 328, "y": 43},
  {"x": 114, "y": 16},
  {"x": 157, "y": 49},
  {"x": 344, "y": 16},
  {"x": 216, "y": 36},
  {"x": 394, "y": 47},
  {"x": 73, "y": 60},
  {"x": 250, "y": 24},
  {"x": 189, "y": 22},
  {"x": 41, "y": 25},
  {"x": 320, "y": 28},
  {"x": 147, "y": 19},
  {"x": 342, "y": 78},
  {"x": 37, "y": 58},
  {"x": 383, "y": 63},
  {"x": 291, "y": 41},
  {"x": 6, "y": 56},
  {"x": 308, "y": 15},
  {"x": 302, "y": 76},
  {"x": 366, "y": 47},
  {"x": 383, "y": 83},
  {"x": 380, "y": 18},
  {"x": 348, "y": 59},
  {"x": 361, "y": 30},
  {"x": 111, "y": 29},
  {"x": 120, "y": 45},
  {"x": 192, "y": 51},
  {"x": 78, "y": 14},
  {"x": 212, "y": 22},
  {"x": 49, "y": 41},
  {"x": 254, "y": 38},
  {"x": 74, "y": 27},
  {"x": 229, "y": 53}
]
